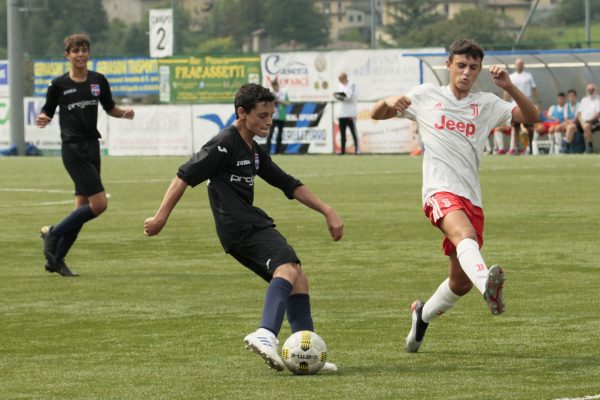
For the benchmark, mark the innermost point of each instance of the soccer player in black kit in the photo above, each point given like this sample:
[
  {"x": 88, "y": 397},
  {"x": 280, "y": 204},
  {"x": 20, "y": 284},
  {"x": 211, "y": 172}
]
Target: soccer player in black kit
[
  {"x": 77, "y": 94},
  {"x": 231, "y": 161}
]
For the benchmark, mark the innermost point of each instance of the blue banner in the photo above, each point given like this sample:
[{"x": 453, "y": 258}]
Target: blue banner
[{"x": 127, "y": 76}]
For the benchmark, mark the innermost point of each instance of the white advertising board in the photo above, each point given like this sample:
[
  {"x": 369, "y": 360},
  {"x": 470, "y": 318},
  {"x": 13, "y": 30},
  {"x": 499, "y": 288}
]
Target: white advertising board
[
  {"x": 155, "y": 131},
  {"x": 307, "y": 76},
  {"x": 208, "y": 120},
  {"x": 3, "y": 78},
  {"x": 4, "y": 122},
  {"x": 48, "y": 138},
  {"x": 394, "y": 135},
  {"x": 377, "y": 73},
  {"x": 308, "y": 128}
]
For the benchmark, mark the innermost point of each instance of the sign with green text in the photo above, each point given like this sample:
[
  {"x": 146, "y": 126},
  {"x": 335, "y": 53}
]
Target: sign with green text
[{"x": 206, "y": 79}]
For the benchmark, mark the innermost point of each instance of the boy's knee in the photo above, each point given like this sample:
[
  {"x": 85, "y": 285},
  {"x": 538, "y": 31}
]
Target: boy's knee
[
  {"x": 291, "y": 272},
  {"x": 99, "y": 207},
  {"x": 459, "y": 286}
]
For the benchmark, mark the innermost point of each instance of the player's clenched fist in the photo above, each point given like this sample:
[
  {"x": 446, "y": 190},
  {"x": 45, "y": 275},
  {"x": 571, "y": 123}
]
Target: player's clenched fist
[
  {"x": 153, "y": 226},
  {"x": 43, "y": 120},
  {"x": 128, "y": 113},
  {"x": 499, "y": 76},
  {"x": 398, "y": 103}
]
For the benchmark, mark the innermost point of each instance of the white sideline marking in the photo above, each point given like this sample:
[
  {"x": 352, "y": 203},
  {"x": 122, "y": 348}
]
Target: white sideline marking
[
  {"x": 126, "y": 181},
  {"x": 53, "y": 203},
  {"x": 34, "y": 190},
  {"x": 596, "y": 396},
  {"x": 44, "y": 203}
]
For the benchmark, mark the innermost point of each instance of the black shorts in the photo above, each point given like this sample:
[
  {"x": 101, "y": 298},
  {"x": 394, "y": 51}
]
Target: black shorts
[
  {"x": 264, "y": 251},
  {"x": 82, "y": 161}
]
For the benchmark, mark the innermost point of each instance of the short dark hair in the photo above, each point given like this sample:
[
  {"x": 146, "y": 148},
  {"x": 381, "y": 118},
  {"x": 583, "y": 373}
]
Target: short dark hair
[
  {"x": 465, "y": 46},
  {"x": 561, "y": 94},
  {"x": 77, "y": 40},
  {"x": 572, "y": 91},
  {"x": 249, "y": 95}
]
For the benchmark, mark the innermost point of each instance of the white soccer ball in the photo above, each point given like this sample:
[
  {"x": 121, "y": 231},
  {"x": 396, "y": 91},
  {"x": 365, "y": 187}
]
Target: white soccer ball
[{"x": 304, "y": 353}]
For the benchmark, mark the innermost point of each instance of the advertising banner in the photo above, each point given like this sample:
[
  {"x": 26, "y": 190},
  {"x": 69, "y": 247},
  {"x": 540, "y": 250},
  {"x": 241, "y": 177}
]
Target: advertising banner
[
  {"x": 48, "y": 138},
  {"x": 127, "y": 76},
  {"x": 206, "y": 79},
  {"x": 4, "y": 122},
  {"x": 3, "y": 78},
  {"x": 377, "y": 73},
  {"x": 209, "y": 120},
  {"x": 307, "y": 76},
  {"x": 307, "y": 128},
  {"x": 155, "y": 131},
  {"x": 394, "y": 135}
]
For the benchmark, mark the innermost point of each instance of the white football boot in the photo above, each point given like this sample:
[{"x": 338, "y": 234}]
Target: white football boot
[
  {"x": 417, "y": 328},
  {"x": 265, "y": 344},
  {"x": 329, "y": 367}
]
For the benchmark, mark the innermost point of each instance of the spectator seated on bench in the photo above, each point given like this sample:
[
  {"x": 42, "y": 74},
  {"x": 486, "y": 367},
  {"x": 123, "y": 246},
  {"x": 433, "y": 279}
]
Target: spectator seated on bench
[{"x": 587, "y": 119}]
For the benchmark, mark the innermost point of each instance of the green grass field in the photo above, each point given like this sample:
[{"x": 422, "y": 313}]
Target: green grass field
[{"x": 164, "y": 317}]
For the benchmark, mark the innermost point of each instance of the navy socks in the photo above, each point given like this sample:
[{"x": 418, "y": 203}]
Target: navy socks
[
  {"x": 74, "y": 221},
  {"x": 64, "y": 244},
  {"x": 276, "y": 301},
  {"x": 298, "y": 313},
  {"x": 67, "y": 230}
]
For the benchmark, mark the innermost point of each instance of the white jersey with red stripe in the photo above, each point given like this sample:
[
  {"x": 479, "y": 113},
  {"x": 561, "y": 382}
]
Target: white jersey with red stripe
[{"x": 454, "y": 134}]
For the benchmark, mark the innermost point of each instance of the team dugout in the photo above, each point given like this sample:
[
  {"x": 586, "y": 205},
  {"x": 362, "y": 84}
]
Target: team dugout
[{"x": 553, "y": 70}]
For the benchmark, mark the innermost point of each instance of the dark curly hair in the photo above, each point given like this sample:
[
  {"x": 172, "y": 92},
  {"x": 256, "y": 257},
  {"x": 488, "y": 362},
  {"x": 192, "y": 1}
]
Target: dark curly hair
[
  {"x": 249, "y": 95},
  {"x": 465, "y": 46}
]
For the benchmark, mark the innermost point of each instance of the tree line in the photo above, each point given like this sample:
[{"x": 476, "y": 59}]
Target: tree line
[{"x": 417, "y": 24}]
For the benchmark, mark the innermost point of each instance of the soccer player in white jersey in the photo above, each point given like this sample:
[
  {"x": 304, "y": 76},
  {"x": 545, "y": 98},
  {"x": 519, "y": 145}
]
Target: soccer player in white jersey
[{"x": 454, "y": 125}]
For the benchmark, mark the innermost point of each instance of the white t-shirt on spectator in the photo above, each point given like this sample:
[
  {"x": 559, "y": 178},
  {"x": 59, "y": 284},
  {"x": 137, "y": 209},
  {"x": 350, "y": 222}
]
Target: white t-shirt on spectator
[
  {"x": 589, "y": 107},
  {"x": 347, "y": 107},
  {"x": 524, "y": 82},
  {"x": 454, "y": 133}
]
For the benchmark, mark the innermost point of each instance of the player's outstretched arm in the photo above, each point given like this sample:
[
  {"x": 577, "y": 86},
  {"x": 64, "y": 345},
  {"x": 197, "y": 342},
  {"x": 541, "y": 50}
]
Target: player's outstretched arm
[
  {"x": 309, "y": 199},
  {"x": 526, "y": 113},
  {"x": 42, "y": 120},
  {"x": 153, "y": 225},
  {"x": 389, "y": 107},
  {"x": 118, "y": 112}
]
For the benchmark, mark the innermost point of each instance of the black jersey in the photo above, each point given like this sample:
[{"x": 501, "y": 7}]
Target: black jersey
[
  {"x": 78, "y": 103},
  {"x": 230, "y": 165}
]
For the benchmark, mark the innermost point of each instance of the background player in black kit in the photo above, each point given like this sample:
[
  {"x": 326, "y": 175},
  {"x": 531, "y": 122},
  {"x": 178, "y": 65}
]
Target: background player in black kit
[
  {"x": 77, "y": 93},
  {"x": 231, "y": 160}
]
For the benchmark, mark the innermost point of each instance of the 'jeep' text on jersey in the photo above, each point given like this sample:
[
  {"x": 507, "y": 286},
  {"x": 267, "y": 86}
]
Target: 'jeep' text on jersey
[
  {"x": 230, "y": 165},
  {"x": 78, "y": 103}
]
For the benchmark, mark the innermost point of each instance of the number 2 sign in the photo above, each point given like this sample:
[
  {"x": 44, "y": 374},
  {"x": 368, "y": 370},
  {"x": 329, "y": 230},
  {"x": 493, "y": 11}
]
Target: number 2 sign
[{"x": 161, "y": 33}]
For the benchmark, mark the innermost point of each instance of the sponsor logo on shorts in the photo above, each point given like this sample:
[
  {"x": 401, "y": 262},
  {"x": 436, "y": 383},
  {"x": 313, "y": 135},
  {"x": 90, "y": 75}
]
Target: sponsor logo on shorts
[{"x": 222, "y": 149}]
